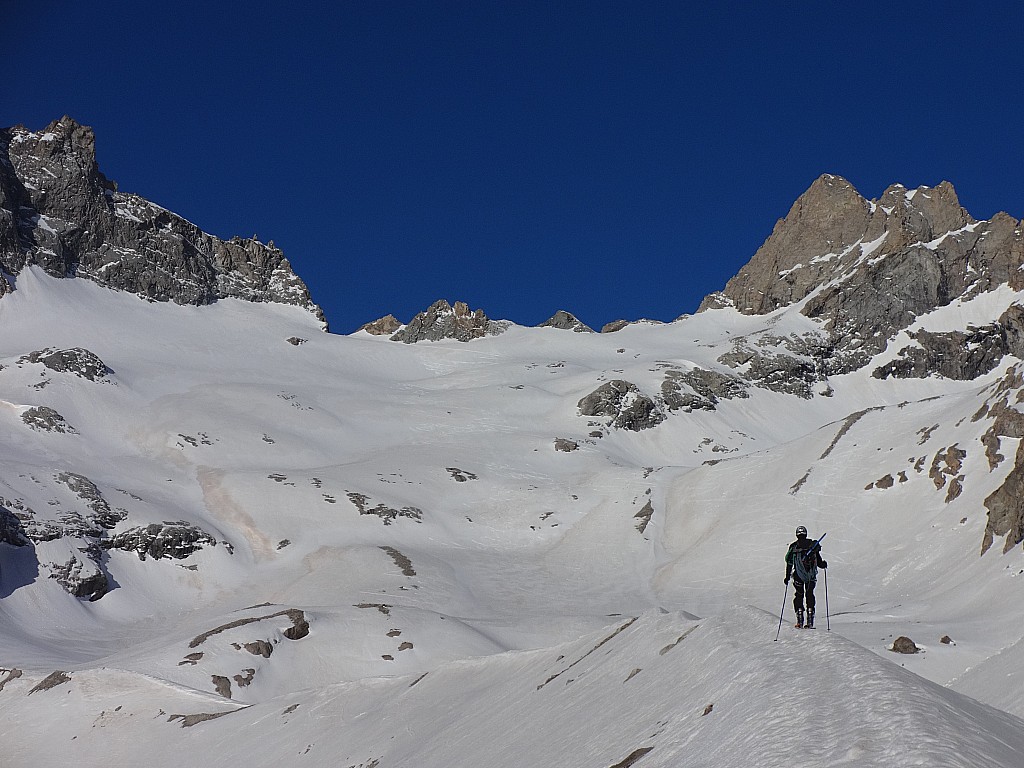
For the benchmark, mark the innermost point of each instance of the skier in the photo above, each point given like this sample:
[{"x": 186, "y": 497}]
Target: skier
[{"x": 802, "y": 562}]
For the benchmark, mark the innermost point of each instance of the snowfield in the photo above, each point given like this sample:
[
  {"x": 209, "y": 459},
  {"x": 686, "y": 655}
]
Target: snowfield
[{"x": 403, "y": 570}]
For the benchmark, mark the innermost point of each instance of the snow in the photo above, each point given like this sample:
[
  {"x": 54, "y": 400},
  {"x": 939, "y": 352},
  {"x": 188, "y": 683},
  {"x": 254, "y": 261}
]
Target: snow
[{"x": 539, "y": 625}]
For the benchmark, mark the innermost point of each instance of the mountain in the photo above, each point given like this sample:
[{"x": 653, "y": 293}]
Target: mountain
[
  {"x": 229, "y": 538},
  {"x": 58, "y": 211}
]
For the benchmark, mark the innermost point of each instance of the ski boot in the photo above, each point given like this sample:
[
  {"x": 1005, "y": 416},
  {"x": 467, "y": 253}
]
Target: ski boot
[
  {"x": 799, "y": 620},
  {"x": 809, "y": 624}
]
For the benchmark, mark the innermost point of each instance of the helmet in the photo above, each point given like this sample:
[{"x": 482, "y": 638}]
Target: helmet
[{"x": 801, "y": 531}]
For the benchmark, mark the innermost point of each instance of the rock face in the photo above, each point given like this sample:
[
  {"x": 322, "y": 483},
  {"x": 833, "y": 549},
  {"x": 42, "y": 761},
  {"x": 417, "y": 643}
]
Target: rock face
[
  {"x": 707, "y": 389},
  {"x": 175, "y": 540},
  {"x": 58, "y": 211},
  {"x": 867, "y": 269},
  {"x": 566, "y": 321},
  {"x": 72, "y": 536},
  {"x": 624, "y": 405},
  {"x": 443, "y": 321},
  {"x": 962, "y": 355}
]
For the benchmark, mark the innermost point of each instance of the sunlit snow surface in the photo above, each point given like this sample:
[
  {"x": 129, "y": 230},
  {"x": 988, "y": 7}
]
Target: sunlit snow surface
[{"x": 547, "y": 624}]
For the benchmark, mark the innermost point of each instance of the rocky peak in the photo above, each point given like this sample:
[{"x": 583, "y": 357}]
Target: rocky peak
[
  {"x": 58, "y": 211},
  {"x": 444, "y": 321},
  {"x": 566, "y": 321},
  {"x": 868, "y": 268}
]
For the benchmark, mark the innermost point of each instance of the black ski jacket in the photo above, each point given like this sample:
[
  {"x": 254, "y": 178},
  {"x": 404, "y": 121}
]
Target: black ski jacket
[{"x": 797, "y": 549}]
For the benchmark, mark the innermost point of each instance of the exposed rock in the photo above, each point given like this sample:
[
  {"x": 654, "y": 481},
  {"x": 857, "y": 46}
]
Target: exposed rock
[
  {"x": 187, "y": 721},
  {"x": 460, "y": 475},
  {"x": 622, "y": 403},
  {"x": 708, "y": 388},
  {"x": 168, "y": 540},
  {"x": 52, "y": 680},
  {"x": 615, "y": 325},
  {"x": 867, "y": 269},
  {"x": 384, "y": 512},
  {"x": 43, "y": 419},
  {"x": 960, "y": 355},
  {"x": 644, "y": 516},
  {"x": 259, "y": 648},
  {"x": 102, "y": 514},
  {"x": 565, "y": 445},
  {"x": 80, "y": 362},
  {"x": 384, "y": 326},
  {"x": 946, "y": 463},
  {"x": 222, "y": 685},
  {"x": 58, "y": 211},
  {"x": 566, "y": 321},
  {"x": 400, "y": 560},
  {"x": 12, "y": 674},
  {"x": 904, "y": 645},
  {"x": 11, "y": 531},
  {"x": 299, "y": 628},
  {"x": 443, "y": 321},
  {"x": 83, "y": 578},
  {"x": 1005, "y": 507}
]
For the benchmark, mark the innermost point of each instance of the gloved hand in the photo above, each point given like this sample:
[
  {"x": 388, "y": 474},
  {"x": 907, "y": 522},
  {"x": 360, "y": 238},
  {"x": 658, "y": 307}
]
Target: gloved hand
[
  {"x": 824, "y": 564},
  {"x": 786, "y": 580}
]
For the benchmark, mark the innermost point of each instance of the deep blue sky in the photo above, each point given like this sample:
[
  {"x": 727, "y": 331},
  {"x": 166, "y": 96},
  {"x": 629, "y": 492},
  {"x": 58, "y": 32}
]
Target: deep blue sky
[{"x": 618, "y": 160}]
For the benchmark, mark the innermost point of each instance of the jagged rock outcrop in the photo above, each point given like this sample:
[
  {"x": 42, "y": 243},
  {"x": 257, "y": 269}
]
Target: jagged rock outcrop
[
  {"x": 83, "y": 577},
  {"x": 58, "y": 211},
  {"x": 623, "y": 405},
  {"x": 80, "y": 362},
  {"x": 43, "y": 419},
  {"x": 867, "y": 269},
  {"x": 708, "y": 388},
  {"x": 566, "y": 321},
  {"x": 68, "y": 534},
  {"x": 175, "y": 540},
  {"x": 444, "y": 321},
  {"x": 11, "y": 531},
  {"x": 961, "y": 355}
]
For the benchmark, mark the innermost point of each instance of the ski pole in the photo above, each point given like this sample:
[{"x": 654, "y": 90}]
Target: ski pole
[
  {"x": 783, "y": 611},
  {"x": 828, "y": 626}
]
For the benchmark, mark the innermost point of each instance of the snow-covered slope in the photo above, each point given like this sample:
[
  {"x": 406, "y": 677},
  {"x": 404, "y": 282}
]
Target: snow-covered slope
[{"x": 344, "y": 515}]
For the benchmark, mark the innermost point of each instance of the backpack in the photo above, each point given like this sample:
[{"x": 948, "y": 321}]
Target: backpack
[{"x": 805, "y": 563}]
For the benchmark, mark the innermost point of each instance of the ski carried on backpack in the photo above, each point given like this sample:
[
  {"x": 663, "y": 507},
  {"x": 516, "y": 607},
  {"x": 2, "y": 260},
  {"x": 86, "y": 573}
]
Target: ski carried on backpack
[{"x": 805, "y": 565}]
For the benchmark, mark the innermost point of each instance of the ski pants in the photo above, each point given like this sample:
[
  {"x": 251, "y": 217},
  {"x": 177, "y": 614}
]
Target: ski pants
[{"x": 798, "y": 599}]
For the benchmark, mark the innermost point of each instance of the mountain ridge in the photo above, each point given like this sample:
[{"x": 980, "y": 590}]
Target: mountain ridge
[
  {"x": 215, "y": 516},
  {"x": 58, "y": 210}
]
